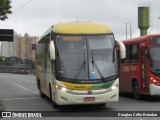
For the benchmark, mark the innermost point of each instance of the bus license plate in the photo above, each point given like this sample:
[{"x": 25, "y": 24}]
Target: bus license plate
[{"x": 89, "y": 99}]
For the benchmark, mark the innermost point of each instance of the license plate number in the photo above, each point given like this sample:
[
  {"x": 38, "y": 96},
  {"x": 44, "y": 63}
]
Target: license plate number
[{"x": 89, "y": 99}]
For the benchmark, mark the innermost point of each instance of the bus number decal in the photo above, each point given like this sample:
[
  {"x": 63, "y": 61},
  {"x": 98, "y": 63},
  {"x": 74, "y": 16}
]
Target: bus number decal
[
  {"x": 132, "y": 67},
  {"x": 125, "y": 68}
]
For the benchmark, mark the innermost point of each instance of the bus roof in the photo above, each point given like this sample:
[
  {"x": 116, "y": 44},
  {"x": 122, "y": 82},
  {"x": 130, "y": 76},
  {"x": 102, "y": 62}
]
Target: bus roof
[
  {"x": 81, "y": 28},
  {"x": 139, "y": 39}
]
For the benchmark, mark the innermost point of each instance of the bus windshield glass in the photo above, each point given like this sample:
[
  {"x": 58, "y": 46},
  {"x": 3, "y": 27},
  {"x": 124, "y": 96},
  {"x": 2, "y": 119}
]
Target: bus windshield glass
[
  {"x": 86, "y": 58},
  {"x": 155, "y": 40},
  {"x": 155, "y": 59}
]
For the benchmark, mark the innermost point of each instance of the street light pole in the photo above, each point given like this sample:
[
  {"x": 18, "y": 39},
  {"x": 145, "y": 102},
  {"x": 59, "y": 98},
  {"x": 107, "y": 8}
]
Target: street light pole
[
  {"x": 130, "y": 29},
  {"x": 126, "y": 31},
  {"x": 130, "y": 25}
]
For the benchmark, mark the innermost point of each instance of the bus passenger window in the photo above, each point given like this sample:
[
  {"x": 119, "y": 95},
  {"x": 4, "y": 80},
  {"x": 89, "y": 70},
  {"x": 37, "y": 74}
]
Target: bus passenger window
[
  {"x": 128, "y": 54},
  {"x": 134, "y": 53}
]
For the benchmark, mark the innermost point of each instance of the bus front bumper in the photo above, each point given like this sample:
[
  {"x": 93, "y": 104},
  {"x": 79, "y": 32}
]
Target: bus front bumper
[
  {"x": 154, "y": 90},
  {"x": 63, "y": 98}
]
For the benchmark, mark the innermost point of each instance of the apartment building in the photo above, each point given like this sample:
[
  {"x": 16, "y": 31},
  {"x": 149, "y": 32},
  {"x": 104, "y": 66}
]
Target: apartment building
[
  {"x": 21, "y": 47},
  {"x": 7, "y": 49},
  {"x": 26, "y": 47}
]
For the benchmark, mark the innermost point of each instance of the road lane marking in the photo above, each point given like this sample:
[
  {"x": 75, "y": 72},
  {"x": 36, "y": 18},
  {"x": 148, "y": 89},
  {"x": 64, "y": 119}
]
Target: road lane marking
[
  {"x": 23, "y": 87},
  {"x": 27, "y": 80},
  {"x": 18, "y": 78},
  {"x": 21, "y": 98}
]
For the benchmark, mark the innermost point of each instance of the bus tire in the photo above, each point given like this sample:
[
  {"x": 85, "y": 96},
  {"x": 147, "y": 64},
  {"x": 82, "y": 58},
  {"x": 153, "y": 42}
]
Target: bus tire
[
  {"x": 136, "y": 92},
  {"x": 102, "y": 104},
  {"x": 50, "y": 92},
  {"x": 39, "y": 87},
  {"x": 55, "y": 105},
  {"x": 41, "y": 94}
]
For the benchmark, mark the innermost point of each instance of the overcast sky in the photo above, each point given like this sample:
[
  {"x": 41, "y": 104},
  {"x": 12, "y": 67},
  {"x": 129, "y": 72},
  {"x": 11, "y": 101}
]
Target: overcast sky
[{"x": 38, "y": 15}]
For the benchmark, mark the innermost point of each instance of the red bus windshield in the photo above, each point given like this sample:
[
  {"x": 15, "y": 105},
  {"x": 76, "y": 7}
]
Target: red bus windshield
[
  {"x": 155, "y": 60},
  {"x": 155, "y": 40}
]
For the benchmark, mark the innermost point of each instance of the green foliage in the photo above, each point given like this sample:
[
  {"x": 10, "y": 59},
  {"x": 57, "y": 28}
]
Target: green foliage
[
  {"x": 5, "y": 9},
  {"x": 29, "y": 63},
  {"x": 2, "y": 58}
]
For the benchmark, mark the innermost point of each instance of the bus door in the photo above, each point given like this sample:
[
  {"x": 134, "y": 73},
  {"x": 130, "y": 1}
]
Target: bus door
[{"x": 144, "y": 66}]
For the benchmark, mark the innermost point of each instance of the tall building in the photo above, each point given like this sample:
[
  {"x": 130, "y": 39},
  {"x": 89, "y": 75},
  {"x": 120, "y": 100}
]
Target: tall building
[
  {"x": 21, "y": 47},
  {"x": 17, "y": 45},
  {"x": 26, "y": 47},
  {"x": 7, "y": 49}
]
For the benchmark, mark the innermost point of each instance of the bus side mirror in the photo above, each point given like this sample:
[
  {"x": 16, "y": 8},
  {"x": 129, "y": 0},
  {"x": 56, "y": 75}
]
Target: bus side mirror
[
  {"x": 122, "y": 49},
  {"x": 147, "y": 54},
  {"x": 52, "y": 50}
]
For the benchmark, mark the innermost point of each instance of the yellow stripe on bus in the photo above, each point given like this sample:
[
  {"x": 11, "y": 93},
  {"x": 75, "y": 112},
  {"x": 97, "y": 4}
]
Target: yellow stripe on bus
[
  {"x": 82, "y": 28},
  {"x": 77, "y": 86}
]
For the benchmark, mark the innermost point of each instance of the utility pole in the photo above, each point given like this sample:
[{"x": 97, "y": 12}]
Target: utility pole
[
  {"x": 130, "y": 29},
  {"x": 126, "y": 31}
]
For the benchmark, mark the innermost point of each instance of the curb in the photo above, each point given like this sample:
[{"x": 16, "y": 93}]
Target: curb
[{"x": 1, "y": 108}]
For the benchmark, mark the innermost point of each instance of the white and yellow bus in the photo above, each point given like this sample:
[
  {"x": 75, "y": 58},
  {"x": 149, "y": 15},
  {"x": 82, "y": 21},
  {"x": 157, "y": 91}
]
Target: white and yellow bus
[{"x": 76, "y": 63}]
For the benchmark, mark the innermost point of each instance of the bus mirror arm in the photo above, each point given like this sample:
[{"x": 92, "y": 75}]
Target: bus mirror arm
[
  {"x": 122, "y": 49},
  {"x": 52, "y": 50},
  {"x": 147, "y": 55}
]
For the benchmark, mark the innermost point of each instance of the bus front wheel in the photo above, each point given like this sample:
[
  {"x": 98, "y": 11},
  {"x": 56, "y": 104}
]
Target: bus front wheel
[
  {"x": 102, "y": 104},
  {"x": 55, "y": 105},
  {"x": 136, "y": 92}
]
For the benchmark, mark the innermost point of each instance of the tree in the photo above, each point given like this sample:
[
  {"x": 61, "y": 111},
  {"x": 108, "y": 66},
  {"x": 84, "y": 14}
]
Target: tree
[
  {"x": 2, "y": 58},
  {"x": 5, "y": 9}
]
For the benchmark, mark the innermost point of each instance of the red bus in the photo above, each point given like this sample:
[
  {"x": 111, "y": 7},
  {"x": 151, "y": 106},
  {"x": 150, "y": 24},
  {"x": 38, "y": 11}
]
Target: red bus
[{"x": 140, "y": 70}]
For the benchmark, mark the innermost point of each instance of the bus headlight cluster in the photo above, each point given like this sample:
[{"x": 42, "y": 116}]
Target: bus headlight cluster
[
  {"x": 114, "y": 87},
  {"x": 58, "y": 87},
  {"x": 154, "y": 81}
]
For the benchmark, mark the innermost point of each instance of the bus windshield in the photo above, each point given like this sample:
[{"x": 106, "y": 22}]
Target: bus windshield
[
  {"x": 154, "y": 40},
  {"x": 86, "y": 58},
  {"x": 155, "y": 59}
]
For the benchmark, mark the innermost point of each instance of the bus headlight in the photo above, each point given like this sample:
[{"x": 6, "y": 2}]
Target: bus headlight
[
  {"x": 58, "y": 87},
  {"x": 64, "y": 89},
  {"x": 114, "y": 87},
  {"x": 155, "y": 81}
]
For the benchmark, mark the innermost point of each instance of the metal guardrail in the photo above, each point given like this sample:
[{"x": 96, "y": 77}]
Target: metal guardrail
[{"x": 16, "y": 70}]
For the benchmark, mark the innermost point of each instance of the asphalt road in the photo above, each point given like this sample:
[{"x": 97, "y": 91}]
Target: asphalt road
[{"x": 19, "y": 93}]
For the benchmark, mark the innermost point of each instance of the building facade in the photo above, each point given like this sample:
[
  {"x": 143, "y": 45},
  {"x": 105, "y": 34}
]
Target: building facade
[
  {"x": 7, "y": 49},
  {"x": 21, "y": 47},
  {"x": 26, "y": 47}
]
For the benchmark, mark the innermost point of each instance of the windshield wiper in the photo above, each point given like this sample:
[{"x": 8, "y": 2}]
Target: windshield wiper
[
  {"x": 96, "y": 66},
  {"x": 81, "y": 67}
]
